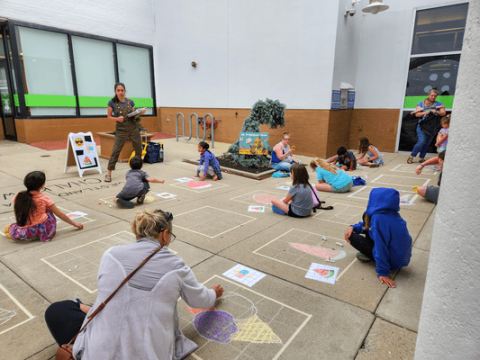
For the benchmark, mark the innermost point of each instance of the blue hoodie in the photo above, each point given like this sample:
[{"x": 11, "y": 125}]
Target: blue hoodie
[{"x": 393, "y": 243}]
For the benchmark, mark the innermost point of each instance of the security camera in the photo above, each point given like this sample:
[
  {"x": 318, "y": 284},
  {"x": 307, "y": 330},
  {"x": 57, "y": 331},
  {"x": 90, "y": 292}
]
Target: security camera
[{"x": 350, "y": 12}]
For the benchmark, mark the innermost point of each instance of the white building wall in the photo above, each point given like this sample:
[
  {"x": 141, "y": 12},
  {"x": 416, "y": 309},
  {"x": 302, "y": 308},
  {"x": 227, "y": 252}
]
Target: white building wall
[
  {"x": 450, "y": 317},
  {"x": 245, "y": 50},
  {"x": 117, "y": 19},
  {"x": 384, "y": 52}
]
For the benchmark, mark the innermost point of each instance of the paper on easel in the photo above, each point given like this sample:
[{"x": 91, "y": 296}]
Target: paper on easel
[{"x": 82, "y": 152}]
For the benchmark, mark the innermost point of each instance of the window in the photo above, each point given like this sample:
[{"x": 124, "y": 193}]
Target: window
[
  {"x": 134, "y": 71},
  {"x": 434, "y": 61},
  {"x": 68, "y": 75},
  {"x": 48, "y": 74},
  {"x": 95, "y": 73}
]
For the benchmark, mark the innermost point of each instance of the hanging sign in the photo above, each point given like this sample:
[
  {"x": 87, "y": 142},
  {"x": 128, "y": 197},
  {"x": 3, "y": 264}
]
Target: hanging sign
[{"x": 82, "y": 152}]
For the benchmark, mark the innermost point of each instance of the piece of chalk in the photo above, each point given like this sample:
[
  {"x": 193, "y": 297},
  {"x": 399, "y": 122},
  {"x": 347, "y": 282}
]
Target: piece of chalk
[
  {"x": 69, "y": 269},
  {"x": 105, "y": 203},
  {"x": 330, "y": 260},
  {"x": 324, "y": 238},
  {"x": 99, "y": 203},
  {"x": 339, "y": 244},
  {"x": 75, "y": 266},
  {"x": 111, "y": 206}
]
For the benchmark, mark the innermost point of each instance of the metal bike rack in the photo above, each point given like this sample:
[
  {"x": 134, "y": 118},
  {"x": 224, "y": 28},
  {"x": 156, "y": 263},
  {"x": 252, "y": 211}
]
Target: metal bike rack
[{"x": 198, "y": 128}]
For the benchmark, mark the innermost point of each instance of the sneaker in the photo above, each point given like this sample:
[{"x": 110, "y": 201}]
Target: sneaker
[
  {"x": 362, "y": 258},
  {"x": 141, "y": 199},
  {"x": 373, "y": 165},
  {"x": 125, "y": 204},
  {"x": 7, "y": 233}
]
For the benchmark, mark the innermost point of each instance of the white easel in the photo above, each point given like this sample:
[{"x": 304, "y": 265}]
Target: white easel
[{"x": 82, "y": 152}]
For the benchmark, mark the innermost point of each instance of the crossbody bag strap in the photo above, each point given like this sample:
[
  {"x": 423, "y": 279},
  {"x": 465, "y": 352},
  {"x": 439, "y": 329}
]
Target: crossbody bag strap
[
  {"x": 102, "y": 305},
  {"x": 319, "y": 202}
]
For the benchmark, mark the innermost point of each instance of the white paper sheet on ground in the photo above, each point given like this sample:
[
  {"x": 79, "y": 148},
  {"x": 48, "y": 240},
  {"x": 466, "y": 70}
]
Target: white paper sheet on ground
[
  {"x": 323, "y": 273},
  {"x": 255, "y": 208},
  {"x": 283, "y": 187},
  {"x": 165, "y": 195},
  {"x": 244, "y": 275},
  {"x": 184, "y": 179},
  {"x": 404, "y": 200}
]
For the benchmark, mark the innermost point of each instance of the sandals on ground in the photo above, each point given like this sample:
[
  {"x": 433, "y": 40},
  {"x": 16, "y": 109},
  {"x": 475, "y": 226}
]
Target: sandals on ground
[
  {"x": 410, "y": 160},
  {"x": 108, "y": 178}
]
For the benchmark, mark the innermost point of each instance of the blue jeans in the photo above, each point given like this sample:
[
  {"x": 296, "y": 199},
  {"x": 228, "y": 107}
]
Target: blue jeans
[
  {"x": 282, "y": 166},
  {"x": 422, "y": 144}
]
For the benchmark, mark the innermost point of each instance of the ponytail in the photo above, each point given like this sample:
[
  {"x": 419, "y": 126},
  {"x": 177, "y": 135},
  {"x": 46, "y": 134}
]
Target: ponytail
[{"x": 24, "y": 205}]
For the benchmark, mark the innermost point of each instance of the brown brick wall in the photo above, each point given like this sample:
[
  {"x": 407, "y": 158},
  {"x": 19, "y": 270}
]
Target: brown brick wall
[
  {"x": 314, "y": 132},
  {"x": 36, "y": 130},
  {"x": 380, "y": 126},
  {"x": 2, "y": 134}
]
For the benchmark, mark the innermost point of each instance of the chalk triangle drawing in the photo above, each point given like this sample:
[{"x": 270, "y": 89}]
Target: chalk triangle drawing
[
  {"x": 198, "y": 184},
  {"x": 319, "y": 251},
  {"x": 195, "y": 311},
  {"x": 255, "y": 330},
  {"x": 266, "y": 198},
  {"x": 6, "y": 315}
]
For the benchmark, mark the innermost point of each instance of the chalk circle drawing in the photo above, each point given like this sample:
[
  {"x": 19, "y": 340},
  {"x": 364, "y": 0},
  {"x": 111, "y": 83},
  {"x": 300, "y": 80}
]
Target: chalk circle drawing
[
  {"x": 215, "y": 325},
  {"x": 165, "y": 195},
  {"x": 323, "y": 273},
  {"x": 266, "y": 198},
  {"x": 244, "y": 275},
  {"x": 6, "y": 315},
  {"x": 320, "y": 251},
  {"x": 183, "y": 179},
  {"x": 198, "y": 185}
]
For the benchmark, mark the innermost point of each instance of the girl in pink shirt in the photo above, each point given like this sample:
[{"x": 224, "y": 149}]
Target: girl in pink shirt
[{"x": 35, "y": 212}]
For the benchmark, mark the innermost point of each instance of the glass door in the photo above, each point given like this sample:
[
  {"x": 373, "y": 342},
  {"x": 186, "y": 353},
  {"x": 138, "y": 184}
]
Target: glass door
[{"x": 7, "y": 111}]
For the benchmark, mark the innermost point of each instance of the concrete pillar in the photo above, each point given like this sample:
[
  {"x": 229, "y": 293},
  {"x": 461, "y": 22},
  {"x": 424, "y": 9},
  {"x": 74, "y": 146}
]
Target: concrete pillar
[{"x": 450, "y": 318}]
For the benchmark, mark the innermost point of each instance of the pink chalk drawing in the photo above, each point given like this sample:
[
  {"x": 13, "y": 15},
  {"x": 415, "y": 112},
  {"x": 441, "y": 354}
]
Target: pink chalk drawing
[
  {"x": 198, "y": 184},
  {"x": 320, "y": 251},
  {"x": 265, "y": 198},
  {"x": 195, "y": 311},
  {"x": 215, "y": 325},
  {"x": 324, "y": 273}
]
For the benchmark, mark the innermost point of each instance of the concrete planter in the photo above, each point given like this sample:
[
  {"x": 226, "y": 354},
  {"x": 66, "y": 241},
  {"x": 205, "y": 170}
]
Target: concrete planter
[{"x": 106, "y": 146}]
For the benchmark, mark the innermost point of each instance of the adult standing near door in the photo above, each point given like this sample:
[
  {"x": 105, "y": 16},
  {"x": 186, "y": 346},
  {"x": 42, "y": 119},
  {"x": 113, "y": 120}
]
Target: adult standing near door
[
  {"x": 126, "y": 127},
  {"x": 424, "y": 108}
]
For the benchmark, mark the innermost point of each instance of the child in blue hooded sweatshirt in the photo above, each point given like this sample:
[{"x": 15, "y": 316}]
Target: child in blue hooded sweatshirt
[{"x": 386, "y": 239}]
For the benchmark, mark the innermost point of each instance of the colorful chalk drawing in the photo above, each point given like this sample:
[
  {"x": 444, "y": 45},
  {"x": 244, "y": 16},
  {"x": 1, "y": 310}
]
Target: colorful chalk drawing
[
  {"x": 166, "y": 195},
  {"x": 265, "y": 327},
  {"x": 244, "y": 275},
  {"x": 215, "y": 325},
  {"x": 297, "y": 249},
  {"x": 254, "y": 208},
  {"x": 283, "y": 187},
  {"x": 198, "y": 185},
  {"x": 254, "y": 330},
  {"x": 195, "y": 311},
  {"x": 6, "y": 315},
  {"x": 320, "y": 251},
  {"x": 266, "y": 198},
  {"x": 323, "y": 273},
  {"x": 150, "y": 198}
]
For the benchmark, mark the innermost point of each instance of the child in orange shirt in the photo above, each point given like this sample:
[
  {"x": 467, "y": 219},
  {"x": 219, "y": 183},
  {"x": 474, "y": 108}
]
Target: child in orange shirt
[{"x": 35, "y": 212}]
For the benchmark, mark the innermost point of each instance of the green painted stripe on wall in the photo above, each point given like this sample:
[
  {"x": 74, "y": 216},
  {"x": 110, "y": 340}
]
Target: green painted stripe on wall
[
  {"x": 50, "y": 100},
  {"x": 411, "y": 102},
  {"x": 70, "y": 101}
]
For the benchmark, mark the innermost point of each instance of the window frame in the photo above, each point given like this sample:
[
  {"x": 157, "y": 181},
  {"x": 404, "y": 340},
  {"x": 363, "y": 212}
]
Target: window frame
[{"x": 17, "y": 64}]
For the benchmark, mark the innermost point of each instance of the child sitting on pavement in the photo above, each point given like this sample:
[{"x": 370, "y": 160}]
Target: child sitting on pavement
[
  {"x": 344, "y": 159},
  {"x": 136, "y": 186},
  {"x": 208, "y": 164},
  {"x": 386, "y": 239},
  {"x": 374, "y": 158}
]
